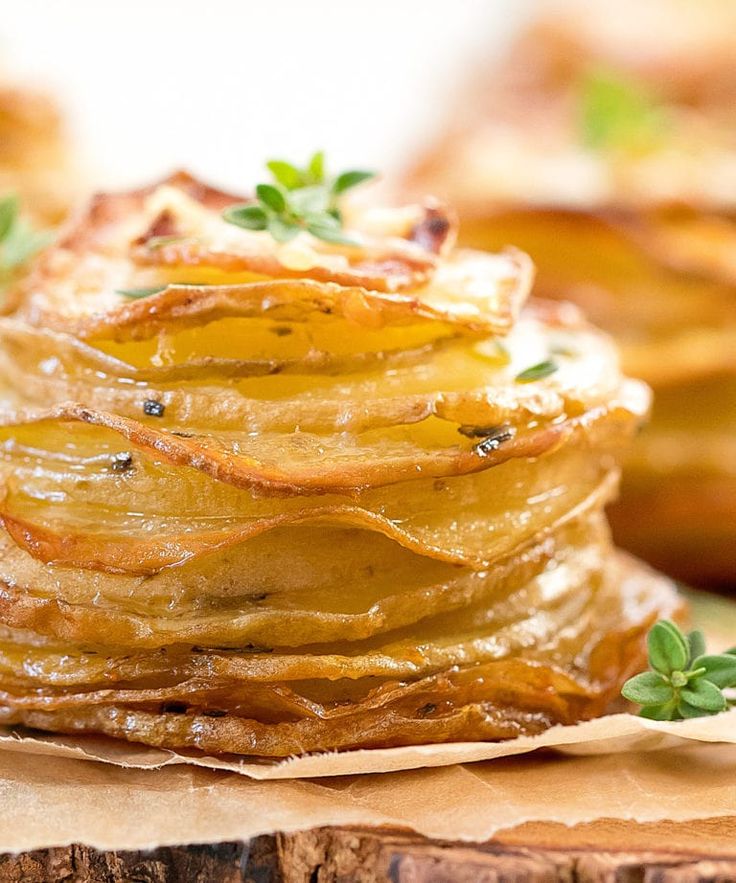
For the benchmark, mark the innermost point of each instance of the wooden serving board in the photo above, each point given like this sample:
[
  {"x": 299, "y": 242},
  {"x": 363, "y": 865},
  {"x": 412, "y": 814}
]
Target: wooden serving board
[{"x": 598, "y": 852}]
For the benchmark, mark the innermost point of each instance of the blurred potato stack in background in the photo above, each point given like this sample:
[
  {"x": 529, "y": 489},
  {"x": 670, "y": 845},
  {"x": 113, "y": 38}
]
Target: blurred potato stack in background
[
  {"x": 35, "y": 160},
  {"x": 37, "y": 181},
  {"x": 604, "y": 145}
]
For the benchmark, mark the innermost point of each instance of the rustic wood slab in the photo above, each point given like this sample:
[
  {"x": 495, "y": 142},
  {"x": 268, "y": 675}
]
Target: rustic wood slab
[{"x": 602, "y": 852}]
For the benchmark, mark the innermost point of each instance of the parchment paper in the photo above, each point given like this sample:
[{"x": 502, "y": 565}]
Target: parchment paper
[
  {"x": 612, "y": 734},
  {"x": 138, "y": 798},
  {"x": 54, "y": 802}
]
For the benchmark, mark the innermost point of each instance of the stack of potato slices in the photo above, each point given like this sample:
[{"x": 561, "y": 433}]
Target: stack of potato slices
[{"x": 277, "y": 497}]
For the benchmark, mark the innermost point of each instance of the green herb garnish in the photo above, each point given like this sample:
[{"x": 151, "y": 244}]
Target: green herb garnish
[
  {"x": 297, "y": 200},
  {"x": 537, "y": 372},
  {"x": 137, "y": 293},
  {"x": 616, "y": 113},
  {"x": 684, "y": 681},
  {"x": 18, "y": 241}
]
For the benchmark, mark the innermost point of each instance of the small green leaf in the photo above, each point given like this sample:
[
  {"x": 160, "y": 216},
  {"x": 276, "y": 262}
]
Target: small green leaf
[
  {"x": 537, "y": 372},
  {"x": 347, "y": 180},
  {"x": 686, "y": 710},
  {"x": 282, "y": 231},
  {"x": 251, "y": 217},
  {"x": 137, "y": 293},
  {"x": 666, "y": 712},
  {"x": 271, "y": 197},
  {"x": 308, "y": 200},
  {"x": 668, "y": 648},
  {"x": 285, "y": 173},
  {"x": 322, "y": 219},
  {"x": 316, "y": 167},
  {"x": 648, "y": 688},
  {"x": 21, "y": 243},
  {"x": 703, "y": 694},
  {"x": 720, "y": 669},
  {"x": 696, "y": 643},
  {"x": 617, "y": 113},
  {"x": 330, "y": 233},
  {"x": 731, "y": 652},
  {"x": 8, "y": 214}
]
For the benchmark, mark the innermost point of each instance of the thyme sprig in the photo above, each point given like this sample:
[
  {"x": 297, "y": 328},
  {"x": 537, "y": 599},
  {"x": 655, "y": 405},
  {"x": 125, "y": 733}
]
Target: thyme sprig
[
  {"x": 617, "y": 113},
  {"x": 139, "y": 293},
  {"x": 299, "y": 199},
  {"x": 684, "y": 681},
  {"x": 538, "y": 371},
  {"x": 18, "y": 240}
]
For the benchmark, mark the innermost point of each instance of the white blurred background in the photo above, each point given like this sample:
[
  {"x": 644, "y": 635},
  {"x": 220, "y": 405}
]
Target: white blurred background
[{"x": 218, "y": 85}]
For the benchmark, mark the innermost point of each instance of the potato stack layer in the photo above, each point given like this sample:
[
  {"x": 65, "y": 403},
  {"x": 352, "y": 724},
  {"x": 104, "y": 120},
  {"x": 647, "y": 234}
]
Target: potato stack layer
[
  {"x": 275, "y": 498},
  {"x": 605, "y": 146}
]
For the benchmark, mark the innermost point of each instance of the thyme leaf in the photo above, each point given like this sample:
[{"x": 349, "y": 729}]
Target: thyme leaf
[{"x": 299, "y": 199}]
